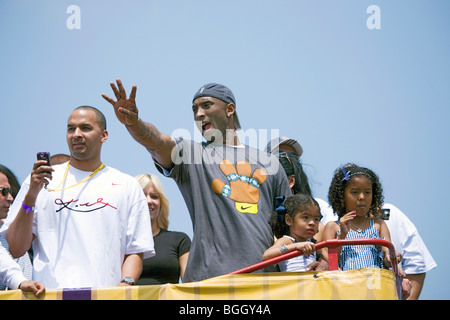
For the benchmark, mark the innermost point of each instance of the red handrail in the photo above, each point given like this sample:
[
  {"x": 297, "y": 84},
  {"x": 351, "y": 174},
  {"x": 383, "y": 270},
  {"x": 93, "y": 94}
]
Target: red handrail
[{"x": 332, "y": 245}]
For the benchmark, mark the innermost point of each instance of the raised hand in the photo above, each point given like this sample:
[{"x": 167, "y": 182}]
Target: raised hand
[
  {"x": 345, "y": 222},
  {"x": 124, "y": 108},
  {"x": 40, "y": 176}
]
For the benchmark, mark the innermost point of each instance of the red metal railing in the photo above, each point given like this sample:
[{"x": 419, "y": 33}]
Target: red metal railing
[{"x": 332, "y": 245}]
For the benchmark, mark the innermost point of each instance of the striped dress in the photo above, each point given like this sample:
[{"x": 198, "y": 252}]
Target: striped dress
[{"x": 361, "y": 256}]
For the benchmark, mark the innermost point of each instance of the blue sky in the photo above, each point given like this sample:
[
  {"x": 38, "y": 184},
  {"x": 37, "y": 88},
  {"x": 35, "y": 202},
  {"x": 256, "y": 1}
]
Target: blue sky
[{"x": 312, "y": 70}]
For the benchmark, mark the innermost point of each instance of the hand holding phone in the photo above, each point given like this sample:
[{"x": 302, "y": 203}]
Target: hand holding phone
[
  {"x": 44, "y": 156},
  {"x": 40, "y": 175}
]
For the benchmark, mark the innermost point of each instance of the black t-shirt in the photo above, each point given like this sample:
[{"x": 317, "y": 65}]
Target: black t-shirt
[{"x": 164, "y": 267}]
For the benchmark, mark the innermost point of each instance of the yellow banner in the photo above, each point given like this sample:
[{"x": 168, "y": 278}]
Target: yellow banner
[{"x": 366, "y": 284}]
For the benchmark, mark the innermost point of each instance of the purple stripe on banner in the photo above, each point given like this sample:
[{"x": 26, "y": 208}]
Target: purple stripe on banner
[{"x": 76, "y": 294}]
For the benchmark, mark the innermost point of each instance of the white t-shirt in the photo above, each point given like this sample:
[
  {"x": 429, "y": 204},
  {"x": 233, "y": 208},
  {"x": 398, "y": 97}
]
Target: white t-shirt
[
  {"x": 10, "y": 273},
  {"x": 407, "y": 241},
  {"x": 296, "y": 264},
  {"x": 326, "y": 211},
  {"x": 84, "y": 232}
]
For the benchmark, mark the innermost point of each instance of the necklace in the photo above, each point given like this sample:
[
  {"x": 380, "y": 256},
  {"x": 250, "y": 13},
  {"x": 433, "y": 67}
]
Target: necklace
[
  {"x": 84, "y": 180},
  {"x": 359, "y": 230}
]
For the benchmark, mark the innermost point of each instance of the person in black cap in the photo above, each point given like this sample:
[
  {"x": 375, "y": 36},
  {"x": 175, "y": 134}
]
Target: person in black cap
[
  {"x": 284, "y": 144},
  {"x": 289, "y": 152},
  {"x": 229, "y": 188}
]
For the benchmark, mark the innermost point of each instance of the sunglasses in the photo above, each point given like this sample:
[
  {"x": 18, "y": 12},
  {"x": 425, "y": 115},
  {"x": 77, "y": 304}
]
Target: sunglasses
[
  {"x": 284, "y": 154},
  {"x": 5, "y": 191}
]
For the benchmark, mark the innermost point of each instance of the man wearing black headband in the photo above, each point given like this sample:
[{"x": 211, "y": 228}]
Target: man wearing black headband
[{"x": 229, "y": 188}]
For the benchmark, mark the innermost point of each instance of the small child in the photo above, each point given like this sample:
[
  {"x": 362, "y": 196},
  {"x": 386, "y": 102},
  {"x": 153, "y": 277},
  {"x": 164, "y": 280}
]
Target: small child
[
  {"x": 294, "y": 224},
  {"x": 356, "y": 196}
]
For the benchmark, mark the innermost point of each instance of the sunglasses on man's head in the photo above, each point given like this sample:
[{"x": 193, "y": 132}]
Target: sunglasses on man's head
[
  {"x": 5, "y": 191},
  {"x": 284, "y": 154}
]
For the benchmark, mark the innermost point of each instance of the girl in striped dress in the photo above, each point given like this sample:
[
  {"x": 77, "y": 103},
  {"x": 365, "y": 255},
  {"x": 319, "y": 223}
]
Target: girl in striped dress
[{"x": 356, "y": 195}]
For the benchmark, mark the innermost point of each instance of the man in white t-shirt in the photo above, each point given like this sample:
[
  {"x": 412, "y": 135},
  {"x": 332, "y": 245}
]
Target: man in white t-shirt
[
  {"x": 11, "y": 275},
  {"x": 88, "y": 223},
  {"x": 416, "y": 259}
]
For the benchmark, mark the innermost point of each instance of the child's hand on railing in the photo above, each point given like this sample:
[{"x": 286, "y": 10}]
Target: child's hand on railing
[{"x": 306, "y": 247}]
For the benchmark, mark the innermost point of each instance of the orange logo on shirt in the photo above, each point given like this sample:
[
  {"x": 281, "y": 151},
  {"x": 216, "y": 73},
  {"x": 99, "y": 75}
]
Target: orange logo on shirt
[{"x": 243, "y": 187}]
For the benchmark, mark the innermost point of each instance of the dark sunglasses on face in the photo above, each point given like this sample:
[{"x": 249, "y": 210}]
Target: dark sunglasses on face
[{"x": 5, "y": 191}]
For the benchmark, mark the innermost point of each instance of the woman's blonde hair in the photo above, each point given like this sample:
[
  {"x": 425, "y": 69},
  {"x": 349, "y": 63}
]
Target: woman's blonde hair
[{"x": 163, "y": 218}]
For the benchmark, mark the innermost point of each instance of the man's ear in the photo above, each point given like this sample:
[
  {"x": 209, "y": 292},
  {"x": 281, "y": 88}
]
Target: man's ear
[
  {"x": 230, "y": 109},
  {"x": 104, "y": 135}
]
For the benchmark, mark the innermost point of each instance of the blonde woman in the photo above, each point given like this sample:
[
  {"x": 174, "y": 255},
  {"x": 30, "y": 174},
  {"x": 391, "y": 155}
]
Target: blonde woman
[{"x": 172, "y": 247}]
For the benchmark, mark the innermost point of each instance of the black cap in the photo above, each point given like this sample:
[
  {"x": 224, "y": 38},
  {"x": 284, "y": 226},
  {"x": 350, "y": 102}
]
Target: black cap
[{"x": 221, "y": 92}]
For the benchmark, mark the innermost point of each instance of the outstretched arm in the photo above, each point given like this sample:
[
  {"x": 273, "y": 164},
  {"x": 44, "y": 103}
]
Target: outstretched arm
[
  {"x": 285, "y": 244},
  {"x": 159, "y": 145}
]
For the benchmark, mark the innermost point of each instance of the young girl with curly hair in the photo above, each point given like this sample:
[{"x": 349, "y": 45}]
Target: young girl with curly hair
[
  {"x": 356, "y": 196},
  {"x": 295, "y": 223}
]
